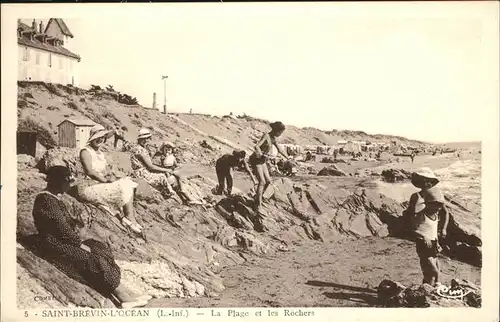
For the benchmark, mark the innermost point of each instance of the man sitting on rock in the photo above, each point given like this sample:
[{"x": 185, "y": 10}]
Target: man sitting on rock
[{"x": 223, "y": 169}]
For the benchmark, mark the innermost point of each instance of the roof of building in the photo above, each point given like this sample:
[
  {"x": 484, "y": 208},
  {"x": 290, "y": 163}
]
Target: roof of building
[
  {"x": 62, "y": 25},
  {"x": 35, "y": 43},
  {"x": 79, "y": 122}
]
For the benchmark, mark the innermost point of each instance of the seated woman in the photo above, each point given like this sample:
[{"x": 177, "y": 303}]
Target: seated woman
[
  {"x": 59, "y": 237},
  {"x": 100, "y": 188},
  {"x": 223, "y": 168},
  {"x": 144, "y": 168}
]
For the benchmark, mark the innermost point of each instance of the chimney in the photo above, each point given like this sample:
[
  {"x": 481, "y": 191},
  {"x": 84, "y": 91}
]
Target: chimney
[
  {"x": 33, "y": 25},
  {"x": 154, "y": 100},
  {"x": 41, "y": 27}
]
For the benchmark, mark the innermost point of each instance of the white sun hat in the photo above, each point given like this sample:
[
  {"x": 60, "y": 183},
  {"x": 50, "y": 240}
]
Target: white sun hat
[
  {"x": 98, "y": 131},
  {"x": 144, "y": 133},
  {"x": 168, "y": 144},
  {"x": 426, "y": 172}
]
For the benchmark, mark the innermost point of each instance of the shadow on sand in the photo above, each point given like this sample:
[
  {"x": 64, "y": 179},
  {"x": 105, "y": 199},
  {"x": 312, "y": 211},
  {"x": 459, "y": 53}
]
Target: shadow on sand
[{"x": 357, "y": 294}]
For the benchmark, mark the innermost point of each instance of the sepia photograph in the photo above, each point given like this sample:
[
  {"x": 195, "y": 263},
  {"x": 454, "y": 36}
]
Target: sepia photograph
[{"x": 288, "y": 157}]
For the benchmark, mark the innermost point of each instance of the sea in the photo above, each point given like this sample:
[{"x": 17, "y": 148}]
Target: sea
[{"x": 462, "y": 182}]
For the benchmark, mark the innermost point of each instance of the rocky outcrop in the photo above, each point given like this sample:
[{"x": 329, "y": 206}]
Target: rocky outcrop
[
  {"x": 25, "y": 161},
  {"x": 183, "y": 247},
  {"x": 332, "y": 170},
  {"x": 460, "y": 293},
  {"x": 395, "y": 175}
]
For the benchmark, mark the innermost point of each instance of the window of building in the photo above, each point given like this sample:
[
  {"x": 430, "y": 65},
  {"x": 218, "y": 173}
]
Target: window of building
[
  {"x": 37, "y": 57},
  {"x": 26, "y": 54},
  {"x": 50, "y": 59}
]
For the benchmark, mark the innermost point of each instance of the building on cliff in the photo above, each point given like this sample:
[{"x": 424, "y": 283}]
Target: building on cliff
[{"x": 42, "y": 55}]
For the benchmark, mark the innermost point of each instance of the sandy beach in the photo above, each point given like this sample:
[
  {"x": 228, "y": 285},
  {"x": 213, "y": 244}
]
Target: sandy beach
[{"x": 347, "y": 271}]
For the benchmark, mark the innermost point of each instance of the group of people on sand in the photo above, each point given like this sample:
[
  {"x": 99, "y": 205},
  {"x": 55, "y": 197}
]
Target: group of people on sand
[{"x": 60, "y": 234}]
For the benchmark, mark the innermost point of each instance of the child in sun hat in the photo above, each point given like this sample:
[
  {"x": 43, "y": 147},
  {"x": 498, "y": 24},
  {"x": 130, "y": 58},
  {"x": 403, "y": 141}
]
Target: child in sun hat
[{"x": 429, "y": 220}]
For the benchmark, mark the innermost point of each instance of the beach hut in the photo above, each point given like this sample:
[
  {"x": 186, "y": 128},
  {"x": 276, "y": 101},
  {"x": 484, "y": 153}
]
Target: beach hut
[
  {"x": 352, "y": 146},
  {"x": 26, "y": 143},
  {"x": 74, "y": 133}
]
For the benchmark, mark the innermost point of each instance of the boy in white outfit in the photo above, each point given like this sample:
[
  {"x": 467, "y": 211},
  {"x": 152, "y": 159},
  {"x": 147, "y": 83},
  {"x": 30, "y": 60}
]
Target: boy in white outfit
[{"x": 429, "y": 219}]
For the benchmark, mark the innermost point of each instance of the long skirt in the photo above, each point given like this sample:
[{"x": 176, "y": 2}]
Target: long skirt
[
  {"x": 97, "y": 268},
  {"x": 112, "y": 196}
]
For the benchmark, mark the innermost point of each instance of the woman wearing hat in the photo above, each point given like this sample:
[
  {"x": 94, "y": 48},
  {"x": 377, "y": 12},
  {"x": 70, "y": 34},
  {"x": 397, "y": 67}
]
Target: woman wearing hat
[
  {"x": 99, "y": 188},
  {"x": 429, "y": 219},
  {"x": 258, "y": 160},
  {"x": 60, "y": 238},
  {"x": 144, "y": 168}
]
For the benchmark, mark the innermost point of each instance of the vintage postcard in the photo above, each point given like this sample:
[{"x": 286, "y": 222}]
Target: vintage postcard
[{"x": 263, "y": 161}]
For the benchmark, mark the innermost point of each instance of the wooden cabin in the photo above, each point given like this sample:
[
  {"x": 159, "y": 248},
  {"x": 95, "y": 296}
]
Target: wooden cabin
[
  {"x": 74, "y": 133},
  {"x": 26, "y": 143}
]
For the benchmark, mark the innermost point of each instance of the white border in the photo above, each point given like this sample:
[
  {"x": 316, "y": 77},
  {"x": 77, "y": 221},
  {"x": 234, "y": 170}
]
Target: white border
[{"x": 485, "y": 11}]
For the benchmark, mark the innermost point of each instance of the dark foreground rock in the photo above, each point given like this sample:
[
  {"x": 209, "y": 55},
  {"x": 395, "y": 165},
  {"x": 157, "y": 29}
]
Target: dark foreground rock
[
  {"x": 395, "y": 175},
  {"x": 461, "y": 293},
  {"x": 331, "y": 170}
]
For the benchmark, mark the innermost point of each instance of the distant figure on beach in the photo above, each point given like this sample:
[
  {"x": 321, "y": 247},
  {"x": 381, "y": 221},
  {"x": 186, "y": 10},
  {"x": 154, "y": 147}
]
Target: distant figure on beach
[
  {"x": 429, "y": 219},
  {"x": 259, "y": 158},
  {"x": 412, "y": 156},
  {"x": 143, "y": 167},
  {"x": 223, "y": 169},
  {"x": 102, "y": 188},
  {"x": 60, "y": 237}
]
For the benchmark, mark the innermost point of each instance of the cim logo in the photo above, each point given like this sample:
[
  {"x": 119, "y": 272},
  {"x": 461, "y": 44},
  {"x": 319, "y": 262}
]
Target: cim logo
[{"x": 451, "y": 293}]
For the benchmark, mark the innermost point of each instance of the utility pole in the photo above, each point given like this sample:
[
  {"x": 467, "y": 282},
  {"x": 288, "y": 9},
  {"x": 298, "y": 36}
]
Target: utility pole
[{"x": 164, "y": 78}]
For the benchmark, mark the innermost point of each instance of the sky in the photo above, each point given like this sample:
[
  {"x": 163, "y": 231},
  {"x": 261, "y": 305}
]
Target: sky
[{"x": 424, "y": 73}]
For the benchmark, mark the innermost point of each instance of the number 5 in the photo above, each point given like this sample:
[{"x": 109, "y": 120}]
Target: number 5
[{"x": 25, "y": 314}]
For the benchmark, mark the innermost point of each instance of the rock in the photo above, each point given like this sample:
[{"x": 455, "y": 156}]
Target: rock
[
  {"x": 340, "y": 161},
  {"x": 327, "y": 160},
  {"x": 238, "y": 213},
  {"x": 68, "y": 157},
  {"x": 395, "y": 175},
  {"x": 394, "y": 294},
  {"x": 251, "y": 242},
  {"x": 204, "y": 144},
  {"x": 417, "y": 296},
  {"x": 63, "y": 288},
  {"x": 331, "y": 170},
  {"x": 25, "y": 161},
  {"x": 390, "y": 294}
]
